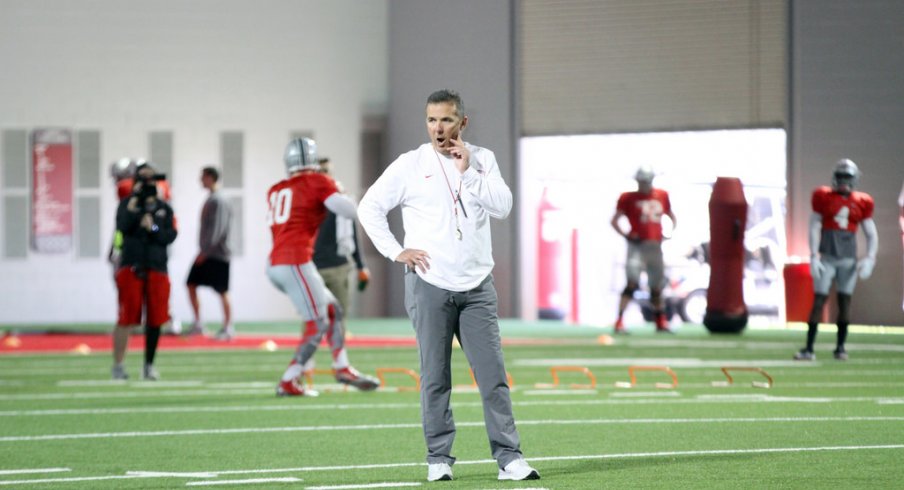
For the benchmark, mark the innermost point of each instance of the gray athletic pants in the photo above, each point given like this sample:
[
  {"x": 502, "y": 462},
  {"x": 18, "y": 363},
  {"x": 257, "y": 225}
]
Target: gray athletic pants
[
  {"x": 437, "y": 315},
  {"x": 304, "y": 286}
]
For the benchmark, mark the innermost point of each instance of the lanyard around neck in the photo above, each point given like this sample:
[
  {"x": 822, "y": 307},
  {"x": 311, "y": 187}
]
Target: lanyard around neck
[{"x": 456, "y": 196}]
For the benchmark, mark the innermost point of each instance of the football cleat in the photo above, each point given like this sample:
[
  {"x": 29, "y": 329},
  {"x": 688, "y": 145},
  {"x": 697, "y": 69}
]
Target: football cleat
[
  {"x": 620, "y": 327},
  {"x": 197, "y": 329},
  {"x": 351, "y": 376},
  {"x": 119, "y": 372},
  {"x": 840, "y": 354},
  {"x": 225, "y": 334},
  {"x": 662, "y": 325},
  {"x": 804, "y": 355},
  {"x": 518, "y": 470},
  {"x": 149, "y": 373},
  {"x": 439, "y": 472},
  {"x": 292, "y": 388}
]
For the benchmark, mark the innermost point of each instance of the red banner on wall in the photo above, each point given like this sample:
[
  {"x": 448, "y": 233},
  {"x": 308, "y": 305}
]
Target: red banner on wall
[{"x": 51, "y": 197}]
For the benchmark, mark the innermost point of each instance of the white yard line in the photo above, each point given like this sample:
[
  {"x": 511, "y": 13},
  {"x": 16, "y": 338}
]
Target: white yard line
[
  {"x": 252, "y": 481},
  {"x": 133, "y": 394},
  {"x": 171, "y": 474},
  {"x": 617, "y": 398},
  {"x": 68, "y": 480},
  {"x": 584, "y": 457},
  {"x": 672, "y": 362},
  {"x": 34, "y": 470},
  {"x": 646, "y": 394},
  {"x": 370, "y": 485},
  {"x": 560, "y": 392},
  {"x": 369, "y": 427}
]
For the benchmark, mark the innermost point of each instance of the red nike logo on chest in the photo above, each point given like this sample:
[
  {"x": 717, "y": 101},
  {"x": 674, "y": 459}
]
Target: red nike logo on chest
[{"x": 428, "y": 176}]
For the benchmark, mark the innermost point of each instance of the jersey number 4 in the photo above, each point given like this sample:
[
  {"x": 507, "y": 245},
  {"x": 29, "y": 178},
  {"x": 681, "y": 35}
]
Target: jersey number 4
[
  {"x": 280, "y": 207},
  {"x": 841, "y": 217}
]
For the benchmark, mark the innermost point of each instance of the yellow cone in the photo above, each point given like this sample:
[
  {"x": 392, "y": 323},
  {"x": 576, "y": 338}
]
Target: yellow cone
[
  {"x": 12, "y": 342},
  {"x": 82, "y": 349},
  {"x": 605, "y": 339}
]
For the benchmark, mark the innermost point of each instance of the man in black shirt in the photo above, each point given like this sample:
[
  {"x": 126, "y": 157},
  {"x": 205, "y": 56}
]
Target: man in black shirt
[{"x": 148, "y": 226}]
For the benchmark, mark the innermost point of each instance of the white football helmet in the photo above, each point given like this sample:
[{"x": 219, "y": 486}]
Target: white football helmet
[
  {"x": 645, "y": 173},
  {"x": 846, "y": 176},
  {"x": 123, "y": 168},
  {"x": 301, "y": 154}
]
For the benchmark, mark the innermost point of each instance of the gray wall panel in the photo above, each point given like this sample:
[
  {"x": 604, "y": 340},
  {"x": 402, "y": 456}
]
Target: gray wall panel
[
  {"x": 88, "y": 240},
  {"x": 87, "y": 146},
  {"x": 236, "y": 243},
  {"x": 610, "y": 66},
  {"x": 232, "y": 158},
  {"x": 160, "y": 144},
  {"x": 15, "y": 159},
  {"x": 15, "y": 227}
]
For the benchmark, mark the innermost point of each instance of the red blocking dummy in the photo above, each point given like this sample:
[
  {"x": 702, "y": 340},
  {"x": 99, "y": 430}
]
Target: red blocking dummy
[{"x": 725, "y": 308}]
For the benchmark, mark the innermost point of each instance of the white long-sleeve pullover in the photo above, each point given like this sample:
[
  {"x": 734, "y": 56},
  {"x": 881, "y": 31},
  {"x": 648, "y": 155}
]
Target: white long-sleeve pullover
[{"x": 423, "y": 182}]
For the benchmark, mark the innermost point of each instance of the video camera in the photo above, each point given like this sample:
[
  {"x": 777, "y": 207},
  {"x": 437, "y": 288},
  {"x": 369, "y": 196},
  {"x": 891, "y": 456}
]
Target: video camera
[{"x": 148, "y": 187}]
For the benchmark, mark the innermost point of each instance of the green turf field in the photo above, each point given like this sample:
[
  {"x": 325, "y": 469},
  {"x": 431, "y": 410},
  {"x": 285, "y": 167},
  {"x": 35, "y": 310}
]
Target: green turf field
[{"x": 213, "y": 419}]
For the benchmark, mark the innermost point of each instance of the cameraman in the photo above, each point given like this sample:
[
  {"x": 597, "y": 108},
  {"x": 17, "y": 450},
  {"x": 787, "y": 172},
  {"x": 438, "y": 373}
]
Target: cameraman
[{"x": 147, "y": 225}]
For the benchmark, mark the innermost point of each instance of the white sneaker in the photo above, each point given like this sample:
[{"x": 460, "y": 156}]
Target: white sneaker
[
  {"x": 197, "y": 329},
  {"x": 149, "y": 373},
  {"x": 439, "y": 472},
  {"x": 172, "y": 327},
  {"x": 518, "y": 470},
  {"x": 119, "y": 372}
]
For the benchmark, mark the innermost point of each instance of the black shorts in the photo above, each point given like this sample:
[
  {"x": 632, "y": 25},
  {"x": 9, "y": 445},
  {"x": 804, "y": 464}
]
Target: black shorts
[{"x": 211, "y": 272}]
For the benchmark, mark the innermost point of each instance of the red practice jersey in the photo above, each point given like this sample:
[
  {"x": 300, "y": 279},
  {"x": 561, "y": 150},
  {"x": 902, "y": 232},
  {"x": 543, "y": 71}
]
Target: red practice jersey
[
  {"x": 840, "y": 212},
  {"x": 644, "y": 212},
  {"x": 294, "y": 214}
]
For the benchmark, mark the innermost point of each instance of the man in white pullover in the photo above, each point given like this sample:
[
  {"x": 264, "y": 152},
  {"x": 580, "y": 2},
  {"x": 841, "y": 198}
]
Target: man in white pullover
[{"x": 448, "y": 191}]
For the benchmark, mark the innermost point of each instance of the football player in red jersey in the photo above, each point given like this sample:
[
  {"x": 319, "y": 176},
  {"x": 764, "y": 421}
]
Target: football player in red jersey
[
  {"x": 644, "y": 209},
  {"x": 837, "y": 213},
  {"x": 297, "y": 206}
]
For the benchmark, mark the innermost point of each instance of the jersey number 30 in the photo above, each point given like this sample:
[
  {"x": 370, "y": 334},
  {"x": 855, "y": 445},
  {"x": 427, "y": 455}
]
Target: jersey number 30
[{"x": 280, "y": 207}]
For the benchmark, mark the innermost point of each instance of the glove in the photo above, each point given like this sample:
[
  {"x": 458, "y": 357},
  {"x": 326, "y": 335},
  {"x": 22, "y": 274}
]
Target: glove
[
  {"x": 816, "y": 268},
  {"x": 363, "y": 279},
  {"x": 865, "y": 267}
]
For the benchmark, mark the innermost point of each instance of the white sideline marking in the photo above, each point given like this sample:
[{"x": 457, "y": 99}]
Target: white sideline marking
[
  {"x": 243, "y": 482},
  {"x": 75, "y": 383},
  {"x": 716, "y": 452},
  {"x": 173, "y": 474},
  {"x": 246, "y": 384},
  {"x": 67, "y": 480},
  {"x": 713, "y": 452},
  {"x": 137, "y": 394},
  {"x": 371, "y": 485},
  {"x": 237, "y": 408},
  {"x": 561, "y": 392},
  {"x": 699, "y": 399},
  {"x": 34, "y": 470},
  {"x": 327, "y": 428},
  {"x": 645, "y": 394},
  {"x": 684, "y": 362}
]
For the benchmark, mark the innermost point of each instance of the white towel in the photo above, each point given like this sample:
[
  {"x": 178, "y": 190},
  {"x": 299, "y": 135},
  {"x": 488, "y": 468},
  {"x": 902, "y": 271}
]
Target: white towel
[{"x": 345, "y": 238}]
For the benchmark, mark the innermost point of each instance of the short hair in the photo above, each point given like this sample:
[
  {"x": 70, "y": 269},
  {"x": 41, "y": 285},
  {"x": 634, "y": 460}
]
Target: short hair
[
  {"x": 446, "y": 95},
  {"x": 211, "y": 172}
]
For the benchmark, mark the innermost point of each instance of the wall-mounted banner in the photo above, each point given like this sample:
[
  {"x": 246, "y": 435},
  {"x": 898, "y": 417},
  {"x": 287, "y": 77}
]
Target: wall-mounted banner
[{"x": 51, "y": 197}]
